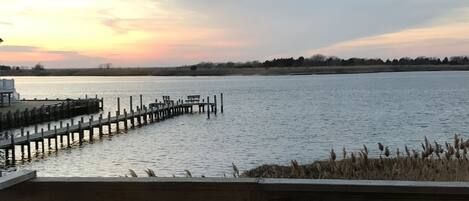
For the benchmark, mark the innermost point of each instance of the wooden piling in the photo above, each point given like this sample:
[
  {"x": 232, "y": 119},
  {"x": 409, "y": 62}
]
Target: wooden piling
[
  {"x": 56, "y": 138},
  {"x": 109, "y": 123},
  {"x": 118, "y": 104},
  {"x": 91, "y": 128},
  {"x": 68, "y": 135},
  {"x": 215, "y": 104},
  {"x": 132, "y": 119},
  {"x": 22, "y": 147},
  {"x": 208, "y": 107},
  {"x": 131, "y": 104},
  {"x": 125, "y": 120},
  {"x": 141, "y": 101},
  {"x": 13, "y": 154},
  {"x": 100, "y": 125},
  {"x": 28, "y": 141},
  {"x": 42, "y": 140},
  {"x": 80, "y": 133}
]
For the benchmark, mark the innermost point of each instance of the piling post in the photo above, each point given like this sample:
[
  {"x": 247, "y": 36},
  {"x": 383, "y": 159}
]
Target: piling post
[
  {"x": 42, "y": 140},
  {"x": 68, "y": 136},
  {"x": 215, "y": 102},
  {"x": 131, "y": 104},
  {"x": 132, "y": 118},
  {"x": 100, "y": 126},
  {"x": 28, "y": 141},
  {"x": 91, "y": 128},
  {"x": 56, "y": 138},
  {"x": 22, "y": 147},
  {"x": 125, "y": 120},
  {"x": 141, "y": 101},
  {"x": 80, "y": 133},
  {"x": 118, "y": 104},
  {"x": 13, "y": 159},
  {"x": 208, "y": 107},
  {"x": 71, "y": 134},
  {"x": 109, "y": 122}
]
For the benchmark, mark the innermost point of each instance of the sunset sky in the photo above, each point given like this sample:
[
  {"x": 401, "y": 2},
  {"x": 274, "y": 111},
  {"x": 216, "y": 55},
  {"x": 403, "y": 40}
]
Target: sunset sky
[{"x": 152, "y": 33}]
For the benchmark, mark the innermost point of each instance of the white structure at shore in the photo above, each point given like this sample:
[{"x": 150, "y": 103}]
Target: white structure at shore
[{"x": 8, "y": 92}]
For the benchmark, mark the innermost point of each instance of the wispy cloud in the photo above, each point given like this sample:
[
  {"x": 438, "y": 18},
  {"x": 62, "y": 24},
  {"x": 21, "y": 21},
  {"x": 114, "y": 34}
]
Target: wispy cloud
[
  {"x": 30, "y": 55},
  {"x": 164, "y": 32},
  {"x": 442, "y": 40}
]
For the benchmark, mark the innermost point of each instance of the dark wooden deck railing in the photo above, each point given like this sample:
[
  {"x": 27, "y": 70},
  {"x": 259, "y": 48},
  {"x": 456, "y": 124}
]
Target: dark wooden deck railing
[{"x": 221, "y": 189}]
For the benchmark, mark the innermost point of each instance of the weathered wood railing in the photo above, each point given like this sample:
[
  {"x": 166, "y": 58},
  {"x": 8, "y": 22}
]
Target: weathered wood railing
[
  {"x": 224, "y": 189},
  {"x": 66, "y": 108}
]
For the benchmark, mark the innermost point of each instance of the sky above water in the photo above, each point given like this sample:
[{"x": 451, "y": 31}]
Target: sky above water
[{"x": 152, "y": 33}]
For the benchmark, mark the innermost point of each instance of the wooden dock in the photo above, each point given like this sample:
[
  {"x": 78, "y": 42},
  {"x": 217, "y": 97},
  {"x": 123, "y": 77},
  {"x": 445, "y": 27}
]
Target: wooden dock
[
  {"x": 120, "y": 119},
  {"x": 33, "y": 111}
]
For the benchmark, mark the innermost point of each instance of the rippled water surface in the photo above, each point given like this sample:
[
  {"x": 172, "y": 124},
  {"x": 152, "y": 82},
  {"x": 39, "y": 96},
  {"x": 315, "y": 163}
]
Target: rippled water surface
[{"x": 267, "y": 119}]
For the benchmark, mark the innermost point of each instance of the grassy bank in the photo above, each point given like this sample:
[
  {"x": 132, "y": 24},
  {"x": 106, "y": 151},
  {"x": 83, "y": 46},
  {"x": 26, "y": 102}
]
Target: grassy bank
[
  {"x": 214, "y": 71},
  {"x": 434, "y": 162}
]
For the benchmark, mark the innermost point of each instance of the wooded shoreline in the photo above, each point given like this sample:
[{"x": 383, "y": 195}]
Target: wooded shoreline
[{"x": 217, "y": 71}]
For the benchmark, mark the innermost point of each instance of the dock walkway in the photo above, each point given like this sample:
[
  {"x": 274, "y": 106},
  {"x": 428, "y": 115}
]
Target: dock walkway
[{"x": 142, "y": 116}]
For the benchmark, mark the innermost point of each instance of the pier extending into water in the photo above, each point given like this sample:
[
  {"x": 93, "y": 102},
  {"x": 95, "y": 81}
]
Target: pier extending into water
[{"x": 67, "y": 134}]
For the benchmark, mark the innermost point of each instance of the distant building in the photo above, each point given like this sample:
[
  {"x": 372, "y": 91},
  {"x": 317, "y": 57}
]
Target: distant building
[{"x": 8, "y": 93}]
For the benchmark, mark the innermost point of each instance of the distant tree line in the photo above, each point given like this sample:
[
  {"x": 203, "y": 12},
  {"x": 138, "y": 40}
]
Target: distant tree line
[
  {"x": 321, "y": 60},
  {"x": 315, "y": 60},
  {"x": 37, "y": 67}
]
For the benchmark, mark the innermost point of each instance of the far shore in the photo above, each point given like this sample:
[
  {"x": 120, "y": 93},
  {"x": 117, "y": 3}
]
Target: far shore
[{"x": 214, "y": 71}]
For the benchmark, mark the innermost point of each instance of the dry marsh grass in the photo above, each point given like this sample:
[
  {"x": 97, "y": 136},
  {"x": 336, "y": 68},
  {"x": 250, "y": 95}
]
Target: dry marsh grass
[{"x": 434, "y": 162}]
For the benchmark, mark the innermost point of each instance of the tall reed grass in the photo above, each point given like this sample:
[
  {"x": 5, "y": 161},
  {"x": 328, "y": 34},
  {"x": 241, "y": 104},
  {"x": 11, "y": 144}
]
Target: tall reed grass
[{"x": 433, "y": 162}]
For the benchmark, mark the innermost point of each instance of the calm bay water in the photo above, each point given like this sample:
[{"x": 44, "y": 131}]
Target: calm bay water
[{"x": 267, "y": 119}]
